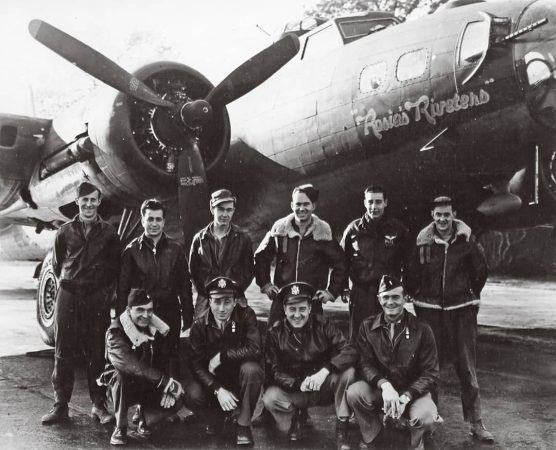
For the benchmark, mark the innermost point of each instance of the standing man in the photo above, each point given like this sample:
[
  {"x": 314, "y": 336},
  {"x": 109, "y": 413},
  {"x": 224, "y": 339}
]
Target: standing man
[
  {"x": 225, "y": 352},
  {"x": 135, "y": 372},
  {"x": 312, "y": 364},
  {"x": 447, "y": 274},
  {"x": 156, "y": 263},
  {"x": 220, "y": 249},
  {"x": 305, "y": 250},
  {"x": 374, "y": 245},
  {"x": 398, "y": 369},
  {"x": 85, "y": 259}
]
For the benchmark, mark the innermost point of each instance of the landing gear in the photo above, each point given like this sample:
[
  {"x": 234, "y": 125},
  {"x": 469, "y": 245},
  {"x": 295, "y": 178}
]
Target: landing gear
[{"x": 46, "y": 300}]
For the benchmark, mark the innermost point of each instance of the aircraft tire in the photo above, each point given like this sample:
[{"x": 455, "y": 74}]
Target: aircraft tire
[{"x": 46, "y": 300}]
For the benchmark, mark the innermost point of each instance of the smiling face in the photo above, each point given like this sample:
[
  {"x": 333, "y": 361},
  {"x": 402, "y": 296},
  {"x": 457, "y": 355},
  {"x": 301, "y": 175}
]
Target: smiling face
[
  {"x": 375, "y": 204},
  {"x": 153, "y": 222},
  {"x": 223, "y": 213},
  {"x": 222, "y": 306},
  {"x": 141, "y": 315},
  {"x": 443, "y": 217},
  {"x": 302, "y": 207},
  {"x": 88, "y": 206},
  {"x": 392, "y": 303},
  {"x": 297, "y": 314}
]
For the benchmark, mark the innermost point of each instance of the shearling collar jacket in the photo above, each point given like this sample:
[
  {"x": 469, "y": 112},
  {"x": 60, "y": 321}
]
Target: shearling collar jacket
[
  {"x": 447, "y": 275},
  {"x": 308, "y": 258}
]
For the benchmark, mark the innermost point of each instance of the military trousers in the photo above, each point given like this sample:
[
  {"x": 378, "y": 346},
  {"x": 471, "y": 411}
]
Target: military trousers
[
  {"x": 81, "y": 319},
  {"x": 366, "y": 403},
  {"x": 282, "y": 404},
  {"x": 455, "y": 332}
]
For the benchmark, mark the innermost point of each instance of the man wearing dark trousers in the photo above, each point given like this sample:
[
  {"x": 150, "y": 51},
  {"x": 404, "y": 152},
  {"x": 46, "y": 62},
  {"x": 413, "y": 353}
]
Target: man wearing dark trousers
[
  {"x": 374, "y": 245},
  {"x": 85, "y": 259},
  {"x": 220, "y": 249},
  {"x": 135, "y": 370},
  {"x": 311, "y": 362},
  {"x": 225, "y": 354},
  {"x": 397, "y": 370},
  {"x": 447, "y": 273},
  {"x": 158, "y": 264}
]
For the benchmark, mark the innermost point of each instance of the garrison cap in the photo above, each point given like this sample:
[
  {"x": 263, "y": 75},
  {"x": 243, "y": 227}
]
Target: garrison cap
[
  {"x": 221, "y": 196},
  {"x": 138, "y": 297},
  {"x": 295, "y": 292},
  {"x": 222, "y": 286},
  {"x": 309, "y": 190},
  {"x": 388, "y": 283},
  {"x": 86, "y": 189}
]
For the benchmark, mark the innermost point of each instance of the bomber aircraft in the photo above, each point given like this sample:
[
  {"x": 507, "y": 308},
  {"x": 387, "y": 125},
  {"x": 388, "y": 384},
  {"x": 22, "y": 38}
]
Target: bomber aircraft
[{"x": 462, "y": 101}]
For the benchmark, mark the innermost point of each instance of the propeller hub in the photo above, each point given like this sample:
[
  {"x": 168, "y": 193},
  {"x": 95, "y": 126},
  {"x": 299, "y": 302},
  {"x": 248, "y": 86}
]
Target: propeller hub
[{"x": 196, "y": 113}]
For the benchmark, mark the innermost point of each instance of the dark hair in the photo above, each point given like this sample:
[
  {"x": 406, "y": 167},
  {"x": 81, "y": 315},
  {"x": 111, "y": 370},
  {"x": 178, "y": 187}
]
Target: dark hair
[
  {"x": 442, "y": 200},
  {"x": 375, "y": 189},
  {"x": 309, "y": 190},
  {"x": 154, "y": 205}
]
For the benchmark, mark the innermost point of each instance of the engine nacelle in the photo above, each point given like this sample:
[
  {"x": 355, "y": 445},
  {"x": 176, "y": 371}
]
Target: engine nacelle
[{"x": 136, "y": 144}]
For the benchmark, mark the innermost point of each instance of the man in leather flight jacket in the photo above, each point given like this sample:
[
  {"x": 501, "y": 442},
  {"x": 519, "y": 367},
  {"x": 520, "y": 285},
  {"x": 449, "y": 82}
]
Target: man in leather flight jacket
[
  {"x": 447, "y": 273},
  {"x": 374, "y": 245},
  {"x": 311, "y": 363},
  {"x": 220, "y": 249},
  {"x": 158, "y": 264},
  {"x": 305, "y": 250},
  {"x": 86, "y": 260},
  {"x": 397, "y": 370},
  {"x": 224, "y": 360}
]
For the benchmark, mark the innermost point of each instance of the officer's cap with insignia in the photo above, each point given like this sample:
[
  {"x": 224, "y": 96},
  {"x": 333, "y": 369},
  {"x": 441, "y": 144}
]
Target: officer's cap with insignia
[
  {"x": 388, "y": 283},
  {"x": 222, "y": 287},
  {"x": 295, "y": 292}
]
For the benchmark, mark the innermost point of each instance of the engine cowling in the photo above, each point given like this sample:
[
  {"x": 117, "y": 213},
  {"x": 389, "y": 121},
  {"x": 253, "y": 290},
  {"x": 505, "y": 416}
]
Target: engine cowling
[{"x": 136, "y": 144}]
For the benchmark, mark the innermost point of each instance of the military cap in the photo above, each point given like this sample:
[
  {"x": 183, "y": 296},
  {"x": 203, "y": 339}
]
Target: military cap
[
  {"x": 222, "y": 286},
  {"x": 221, "y": 196},
  {"x": 309, "y": 190},
  {"x": 86, "y": 189},
  {"x": 387, "y": 283},
  {"x": 138, "y": 297},
  {"x": 295, "y": 292}
]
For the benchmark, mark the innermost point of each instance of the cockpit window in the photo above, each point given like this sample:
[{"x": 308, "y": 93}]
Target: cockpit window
[
  {"x": 372, "y": 77},
  {"x": 474, "y": 42},
  {"x": 362, "y": 27},
  {"x": 412, "y": 65},
  {"x": 321, "y": 42}
]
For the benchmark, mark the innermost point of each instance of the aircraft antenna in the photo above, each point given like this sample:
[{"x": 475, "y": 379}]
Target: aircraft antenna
[{"x": 263, "y": 30}]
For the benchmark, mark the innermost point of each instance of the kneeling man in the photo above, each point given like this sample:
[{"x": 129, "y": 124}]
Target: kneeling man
[
  {"x": 135, "y": 370},
  {"x": 311, "y": 361},
  {"x": 398, "y": 369},
  {"x": 225, "y": 353}
]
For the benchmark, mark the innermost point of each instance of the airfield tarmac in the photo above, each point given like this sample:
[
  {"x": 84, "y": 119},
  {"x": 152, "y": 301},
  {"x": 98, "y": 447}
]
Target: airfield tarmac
[{"x": 516, "y": 360}]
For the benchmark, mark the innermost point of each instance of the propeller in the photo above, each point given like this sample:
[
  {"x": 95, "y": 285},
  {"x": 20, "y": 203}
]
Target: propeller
[
  {"x": 193, "y": 193},
  {"x": 93, "y": 62}
]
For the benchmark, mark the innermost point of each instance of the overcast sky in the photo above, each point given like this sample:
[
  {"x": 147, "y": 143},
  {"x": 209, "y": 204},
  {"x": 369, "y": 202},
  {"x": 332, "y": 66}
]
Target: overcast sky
[{"x": 213, "y": 36}]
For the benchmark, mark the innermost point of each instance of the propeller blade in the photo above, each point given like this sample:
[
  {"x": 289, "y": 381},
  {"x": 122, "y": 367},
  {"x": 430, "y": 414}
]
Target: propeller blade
[
  {"x": 93, "y": 62},
  {"x": 254, "y": 71},
  {"x": 193, "y": 193}
]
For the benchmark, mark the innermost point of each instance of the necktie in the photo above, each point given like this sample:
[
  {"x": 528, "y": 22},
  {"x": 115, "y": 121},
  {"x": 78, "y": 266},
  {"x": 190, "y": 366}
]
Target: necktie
[{"x": 392, "y": 331}]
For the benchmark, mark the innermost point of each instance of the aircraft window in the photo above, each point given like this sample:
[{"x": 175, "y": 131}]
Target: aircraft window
[
  {"x": 8, "y": 135},
  {"x": 372, "y": 77},
  {"x": 360, "y": 28},
  {"x": 538, "y": 68},
  {"x": 321, "y": 42},
  {"x": 474, "y": 42},
  {"x": 412, "y": 65}
]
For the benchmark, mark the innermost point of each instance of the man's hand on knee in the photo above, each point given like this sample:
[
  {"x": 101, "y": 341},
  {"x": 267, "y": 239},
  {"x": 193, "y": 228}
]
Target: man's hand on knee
[{"x": 228, "y": 401}]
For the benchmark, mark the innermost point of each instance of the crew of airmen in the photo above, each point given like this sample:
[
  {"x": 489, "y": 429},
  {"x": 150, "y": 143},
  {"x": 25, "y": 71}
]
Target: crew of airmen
[{"x": 384, "y": 374}]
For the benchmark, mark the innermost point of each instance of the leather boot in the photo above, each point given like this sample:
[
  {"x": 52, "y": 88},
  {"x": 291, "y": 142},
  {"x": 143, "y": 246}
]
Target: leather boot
[
  {"x": 479, "y": 432},
  {"x": 342, "y": 435},
  {"x": 101, "y": 414},
  {"x": 119, "y": 436},
  {"x": 60, "y": 413}
]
